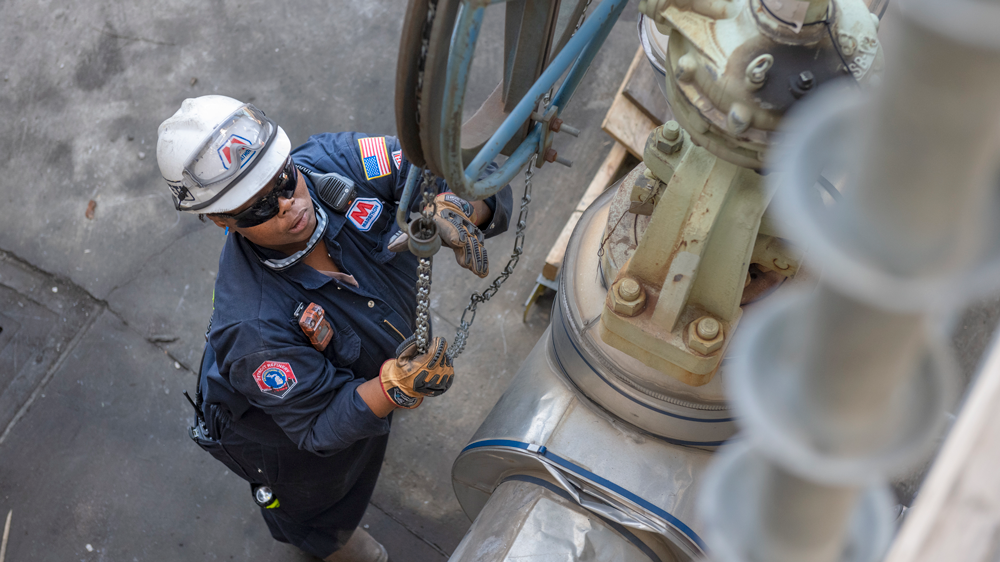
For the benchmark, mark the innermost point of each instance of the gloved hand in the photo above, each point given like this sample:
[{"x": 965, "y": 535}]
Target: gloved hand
[
  {"x": 409, "y": 377},
  {"x": 458, "y": 232}
]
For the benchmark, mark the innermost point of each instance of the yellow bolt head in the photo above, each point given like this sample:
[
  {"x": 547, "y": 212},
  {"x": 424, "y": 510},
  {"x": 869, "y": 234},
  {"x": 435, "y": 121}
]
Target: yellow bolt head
[
  {"x": 627, "y": 297},
  {"x": 699, "y": 333}
]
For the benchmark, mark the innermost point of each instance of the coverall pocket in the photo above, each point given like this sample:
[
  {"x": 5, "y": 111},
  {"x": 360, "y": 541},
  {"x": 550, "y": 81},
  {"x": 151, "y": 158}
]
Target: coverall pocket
[
  {"x": 345, "y": 347},
  {"x": 218, "y": 450}
]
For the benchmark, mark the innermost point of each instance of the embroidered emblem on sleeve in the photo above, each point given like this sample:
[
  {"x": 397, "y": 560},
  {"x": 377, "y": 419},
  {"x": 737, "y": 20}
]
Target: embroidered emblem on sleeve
[
  {"x": 364, "y": 212},
  {"x": 375, "y": 157},
  {"x": 274, "y": 377},
  {"x": 397, "y": 157}
]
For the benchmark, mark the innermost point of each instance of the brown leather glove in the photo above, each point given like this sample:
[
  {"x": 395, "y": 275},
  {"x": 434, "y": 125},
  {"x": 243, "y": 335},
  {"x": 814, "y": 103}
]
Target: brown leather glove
[
  {"x": 409, "y": 377},
  {"x": 458, "y": 232}
]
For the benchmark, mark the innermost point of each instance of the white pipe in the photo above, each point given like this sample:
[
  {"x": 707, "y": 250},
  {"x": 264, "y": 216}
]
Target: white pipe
[
  {"x": 926, "y": 171},
  {"x": 924, "y": 205}
]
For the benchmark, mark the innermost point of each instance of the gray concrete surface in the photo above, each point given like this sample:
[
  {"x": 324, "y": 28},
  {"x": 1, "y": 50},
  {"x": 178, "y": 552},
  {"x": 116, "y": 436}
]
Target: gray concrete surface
[
  {"x": 94, "y": 460},
  {"x": 91, "y": 375}
]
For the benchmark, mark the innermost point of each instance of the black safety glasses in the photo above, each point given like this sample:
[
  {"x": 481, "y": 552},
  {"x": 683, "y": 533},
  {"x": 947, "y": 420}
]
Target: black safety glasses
[{"x": 265, "y": 208}]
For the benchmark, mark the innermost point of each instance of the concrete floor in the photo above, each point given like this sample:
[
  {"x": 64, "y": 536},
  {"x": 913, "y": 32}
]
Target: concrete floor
[{"x": 102, "y": 320}]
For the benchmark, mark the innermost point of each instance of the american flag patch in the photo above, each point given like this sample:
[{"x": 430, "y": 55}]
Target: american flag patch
[
  {"x": 375, "y": 157},
  {"x": 397, "y": 157}
]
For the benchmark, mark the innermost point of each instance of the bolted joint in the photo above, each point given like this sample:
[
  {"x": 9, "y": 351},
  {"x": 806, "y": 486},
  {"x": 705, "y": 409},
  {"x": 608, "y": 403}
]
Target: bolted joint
[
  {"x": 669, "y": 138},
  {"x": 756, "y": 71},
  {"x": 848, "y": 43},
  {"x": 627, "y": 297},
  {"x": 705, "y": 335},
  {"x": 801, "y": 85},
  {"x": 552, "y": 156},
  {"x": 560, "y": 126}
]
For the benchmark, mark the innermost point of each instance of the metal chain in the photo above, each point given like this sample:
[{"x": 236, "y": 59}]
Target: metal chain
[
  {"x": 429, "y": 208},
  {"x": 583, "y": 17},
  {"x": 425, "y": 42},
  {"x": 456, "y": 347},
  {"x": 427, "y": 211},
  {"x": 422, "y": 331}
]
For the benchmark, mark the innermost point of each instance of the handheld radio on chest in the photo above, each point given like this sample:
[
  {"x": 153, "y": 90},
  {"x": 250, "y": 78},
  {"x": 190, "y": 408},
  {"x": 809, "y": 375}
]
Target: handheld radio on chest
[{"x": 332, "y": 188}]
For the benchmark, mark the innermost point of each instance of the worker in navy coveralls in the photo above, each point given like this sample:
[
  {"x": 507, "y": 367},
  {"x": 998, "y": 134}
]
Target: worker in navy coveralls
[{"x": 307, "y": 425}]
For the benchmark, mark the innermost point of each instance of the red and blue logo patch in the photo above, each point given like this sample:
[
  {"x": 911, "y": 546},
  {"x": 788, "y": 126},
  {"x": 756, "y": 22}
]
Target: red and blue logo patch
[
  {"x": 275, "y": 377},
  {"x": 364, "y": 212},
  {"x": 226, "y": 151}
]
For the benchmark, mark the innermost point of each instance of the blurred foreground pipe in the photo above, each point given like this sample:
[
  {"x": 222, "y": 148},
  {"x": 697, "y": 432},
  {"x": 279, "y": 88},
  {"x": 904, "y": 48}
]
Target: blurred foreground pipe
[
  {"x": 839, "y": 389},
  {"x": 958, "y": 510}
]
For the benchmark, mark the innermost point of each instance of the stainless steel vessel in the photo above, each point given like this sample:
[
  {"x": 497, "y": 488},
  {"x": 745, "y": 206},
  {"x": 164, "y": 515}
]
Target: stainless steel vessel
[{"x": 575, "y": 454}]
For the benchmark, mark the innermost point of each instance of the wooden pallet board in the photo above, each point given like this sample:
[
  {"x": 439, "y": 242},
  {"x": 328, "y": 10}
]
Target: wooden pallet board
[
  {"x": 957, "y": 513},
  {"x": 626, "y": 121},
  {"x": 643, "y": 90},
  {"x": 605, "y": 175},
  {"x": 637, "y": 109}
]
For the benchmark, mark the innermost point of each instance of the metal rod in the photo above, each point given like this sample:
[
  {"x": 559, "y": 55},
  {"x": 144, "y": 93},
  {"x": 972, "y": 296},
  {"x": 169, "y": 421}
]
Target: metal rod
[{"x": 405, "y": 200}]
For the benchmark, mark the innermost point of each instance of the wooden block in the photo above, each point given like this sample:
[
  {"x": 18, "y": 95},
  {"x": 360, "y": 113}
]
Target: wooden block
[
  {"x": 957, "y": 514},
  {"x": 642, "y": 89},
  {"x": 605, "y": 174},
  {"x": 601, "y": 180},
  {"x": 625, "y": 122},
  {"x": 628, "y": 125},
  {"x": 553, "y": 261}
]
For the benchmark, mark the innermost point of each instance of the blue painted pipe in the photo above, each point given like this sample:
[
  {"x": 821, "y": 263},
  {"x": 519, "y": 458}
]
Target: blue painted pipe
[
  {"x": 403, "y": 210},
  {"x": 578, "y": 52}
]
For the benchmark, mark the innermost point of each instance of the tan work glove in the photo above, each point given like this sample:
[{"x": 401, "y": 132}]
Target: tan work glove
[
  {"x": 454, "y": 223},
  {"x": 409, "y": 377}
]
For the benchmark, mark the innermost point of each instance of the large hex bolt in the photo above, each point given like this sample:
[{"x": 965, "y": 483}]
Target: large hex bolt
[
  {"x": 627, "y": 297},
  {"x": 705, "y": 335},
  {"x": 669, "y": 138}
]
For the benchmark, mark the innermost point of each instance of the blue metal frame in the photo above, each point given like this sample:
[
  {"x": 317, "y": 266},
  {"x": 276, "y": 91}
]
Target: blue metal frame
[
  {"x": 579, "y": 52},
  {"x": 403, "y": 210}
]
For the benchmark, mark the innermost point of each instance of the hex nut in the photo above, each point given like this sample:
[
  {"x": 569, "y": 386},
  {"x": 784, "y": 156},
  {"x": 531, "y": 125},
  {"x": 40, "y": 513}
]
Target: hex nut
[
  {"x": 702, "y": 345},
  {"x": 669, "y": 138},
  {"x": 625, "y": 306}
]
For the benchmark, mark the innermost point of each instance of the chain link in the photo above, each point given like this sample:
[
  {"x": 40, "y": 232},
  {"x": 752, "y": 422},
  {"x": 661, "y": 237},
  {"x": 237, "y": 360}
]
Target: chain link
[
  {"x": 422, "y": 331},
  {"x": 425, "y": 42},
  {"x": 583, "y": 17},
  {"x": 456, "y": 347},
  {"x": 427, "y": 211}
]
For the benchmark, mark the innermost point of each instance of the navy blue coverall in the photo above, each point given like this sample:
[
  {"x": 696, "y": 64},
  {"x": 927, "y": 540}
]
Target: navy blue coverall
[{"x": 284, "y": 414}]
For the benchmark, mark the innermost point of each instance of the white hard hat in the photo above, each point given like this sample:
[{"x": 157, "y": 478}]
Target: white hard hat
[{"x": 217, "y": 152}]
